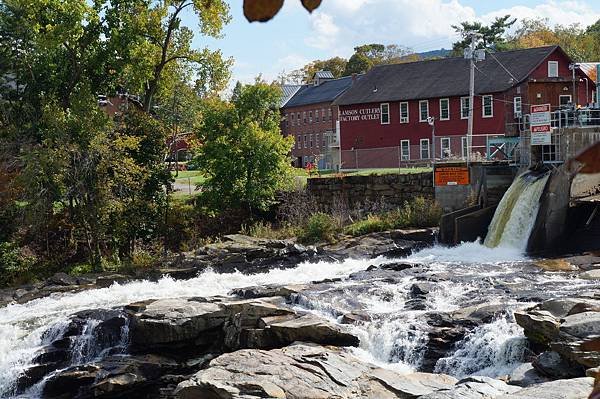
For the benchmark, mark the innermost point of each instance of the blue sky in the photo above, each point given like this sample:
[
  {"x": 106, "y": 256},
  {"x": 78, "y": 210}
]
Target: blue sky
[{"x": 295, "y": 37}]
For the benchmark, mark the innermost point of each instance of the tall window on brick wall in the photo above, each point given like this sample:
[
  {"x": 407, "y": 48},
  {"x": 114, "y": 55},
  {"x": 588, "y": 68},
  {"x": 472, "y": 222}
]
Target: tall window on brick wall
[
  {"x": 385, "y": 113},
  {"x": 518, "y": 107},
  {"x": 425, "y": 149},
  {"x": 311, "y": 141},
  {"x": 553, "y": 69},
  {"x": 317, "y": 142},
  {"x": 323, "y": 114},
  {"x": 423, "y": 110},
  {"x": 317, "y": 116},
  {"x": 404, "y": 113},
  {"x": 445, "y": 147},
  {"x": 309, "y": 116},
  {"x": 487, "y": 106},
  {"x": 444, "y": 109},
  {"x": 293, "y": 120},
  {"x": 405, "y": 150},
  {"x": 329, "y": 117},
  {"x": 299, "y": 142},
  {"x": 304, "y": 117},
  {"x": 305, "y": 141},
  {"x": 464, "y": 107}
]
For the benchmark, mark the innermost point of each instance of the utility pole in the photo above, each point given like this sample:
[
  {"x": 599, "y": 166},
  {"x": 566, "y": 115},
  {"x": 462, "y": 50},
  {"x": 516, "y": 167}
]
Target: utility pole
[{"x": 470, "y": 54}]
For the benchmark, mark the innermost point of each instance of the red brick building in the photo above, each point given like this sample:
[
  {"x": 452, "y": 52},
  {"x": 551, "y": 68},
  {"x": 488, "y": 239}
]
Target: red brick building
[
  {"x": 310, "y": 118},
  {"x": 385, "y": 117}
]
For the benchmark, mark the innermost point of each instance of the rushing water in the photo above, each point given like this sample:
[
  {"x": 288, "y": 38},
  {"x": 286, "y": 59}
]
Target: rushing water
[
  {"x": 395, "y": 333},
  {"x": 516, "y": 214}
]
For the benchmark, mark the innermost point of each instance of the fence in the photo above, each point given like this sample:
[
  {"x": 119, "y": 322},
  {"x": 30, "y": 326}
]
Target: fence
[
  {"x": 490, "y": 147},
  {"x": 565, "y": 143}
]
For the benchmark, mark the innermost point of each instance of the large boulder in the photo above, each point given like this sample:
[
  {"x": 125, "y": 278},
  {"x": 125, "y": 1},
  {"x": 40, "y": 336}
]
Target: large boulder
[
  {"x": 540, "y": 326},
  {"x": 577, "y": 388},
  {"x": 303, "y": 371},
  {"x": 473, "y": 388},
  {"x": 551, "y": 364},
  {"x": 526, "y": 375}
]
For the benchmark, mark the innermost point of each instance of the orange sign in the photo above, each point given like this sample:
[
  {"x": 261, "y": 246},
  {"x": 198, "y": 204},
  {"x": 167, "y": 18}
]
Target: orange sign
[{"x": 452, "y": 176}]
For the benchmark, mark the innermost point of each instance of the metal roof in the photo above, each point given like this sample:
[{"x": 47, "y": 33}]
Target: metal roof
[
  {"x": 288, "y": 93},
  {"x": 325, "y": 92},
  {"x": 447, "y": 77},
  {"x": 590, "y": 69},
  {"x": 324, "y": 75}
]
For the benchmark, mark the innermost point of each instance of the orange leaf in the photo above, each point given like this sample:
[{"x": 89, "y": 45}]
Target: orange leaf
[
  {"x": 311, "y": 5},
  {"x": 261, "y": 10}
]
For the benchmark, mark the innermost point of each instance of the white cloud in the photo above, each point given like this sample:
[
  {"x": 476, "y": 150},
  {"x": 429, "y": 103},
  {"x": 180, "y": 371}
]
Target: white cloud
[
  {"x": 324, "y": 31},
  {"x": 339, "y": 25}
]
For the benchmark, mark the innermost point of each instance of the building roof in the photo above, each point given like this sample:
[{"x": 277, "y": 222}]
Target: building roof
[
  {"x": 325, "y": 92},
  {"x": 288, "y": 92},
  {"x": 590, "y": 69},
  {"x": 448, "y": 77},
  {"x": 324, "y": 75}
]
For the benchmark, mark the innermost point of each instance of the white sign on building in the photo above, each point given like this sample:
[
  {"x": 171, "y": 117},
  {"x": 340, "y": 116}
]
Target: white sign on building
[{"x": 541, "y": 124}]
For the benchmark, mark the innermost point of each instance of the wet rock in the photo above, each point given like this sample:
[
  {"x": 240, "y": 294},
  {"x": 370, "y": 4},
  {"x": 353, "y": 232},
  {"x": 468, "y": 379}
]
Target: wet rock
[
  {"x": 551, "y": 364},
  {"x": 68, "y": 383},
  {"x": 355, "y": 318},
  {"x": 105, "y": 281},
  {"x": 540, "y": 326},
  {"x": 526, "y": 375},
  {"x": 578, "y": 388},
  {"x": 62, "y": 279},
  {"x": 393, "y": 244},
  {"x": 267, "y": 291},
  {"x": 474, "y": 388},
  {"x": 591, "y": 275},
  {"x": 563, "y": 307},
  {"x": 311, "y": 329},
  {"x": 421, "y": 289},
  {"x": 302, "y": 371}
]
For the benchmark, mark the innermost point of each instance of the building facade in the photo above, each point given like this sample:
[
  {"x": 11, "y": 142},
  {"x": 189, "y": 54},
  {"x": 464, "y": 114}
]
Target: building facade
[
  {"x": 310, "y": 118},
  {"x": 406, "y": 114}
]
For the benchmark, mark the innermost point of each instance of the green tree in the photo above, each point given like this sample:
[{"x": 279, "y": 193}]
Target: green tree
[
  {"x": 492, "y": 36},
  {"x": 367, "y": 56},
  {"x": 243, "y": 154}
]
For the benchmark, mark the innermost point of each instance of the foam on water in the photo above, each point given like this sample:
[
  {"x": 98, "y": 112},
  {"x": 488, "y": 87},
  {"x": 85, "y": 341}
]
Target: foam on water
[{"x": 23, "y": 325}]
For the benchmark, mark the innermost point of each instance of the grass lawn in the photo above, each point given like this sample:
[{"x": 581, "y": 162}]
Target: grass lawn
[{"x": 194, "y": 176}]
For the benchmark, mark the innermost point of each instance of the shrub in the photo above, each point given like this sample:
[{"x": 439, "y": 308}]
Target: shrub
[
  {"x": 320, "y": 227},
  {"x": 266, "y": 230},
  {"x": 81, "y": 268},
  {"x": 15, "y": 267},
  {"x": 372, "y": 224},
  {"x": 419, "y": 212}
]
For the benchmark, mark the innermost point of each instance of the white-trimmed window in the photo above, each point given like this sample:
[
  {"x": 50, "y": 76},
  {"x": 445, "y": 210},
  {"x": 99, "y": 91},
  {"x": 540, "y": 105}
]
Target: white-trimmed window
[
  {"x": 425, "y": 149},
  {"x": 465, "y": 146},
  {"x": 405, "y": 150},
  {"x": 317, "y": 142},
  {"x": 298, "y": 119},
  {"x": 299, "y": 142},
  {"x": 404, "y": 118},
  {"x": 304, "y": 117},
  {"x": 564, "y": 99},
  {"x": 518, "y": 107},
  {"x": 323, "y": 114},
  {"x": 305, "y": 141},
  {"x": 553, "y": 69},
  {"x": 323, "y": 138},
  {"x": 293, "y": 120},
  {"x": 309, "y": 116},
  {"x": 445, "y": 147},
  {"x": 487, "y": 106},
  {"x": 317, "y": 116},
  {"x": 311, "y": 141},
  {"x": 385, "y": 113},
  {"x": 464, "y": 107},
  {"x": 423, "y": 110},
  {"x": 444, "y": 109},
  {"x": 329, "y": 113}
]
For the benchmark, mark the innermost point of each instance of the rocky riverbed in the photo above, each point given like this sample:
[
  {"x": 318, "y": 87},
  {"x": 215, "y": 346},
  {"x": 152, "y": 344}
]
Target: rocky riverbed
[{"x": 385, "y": 316}]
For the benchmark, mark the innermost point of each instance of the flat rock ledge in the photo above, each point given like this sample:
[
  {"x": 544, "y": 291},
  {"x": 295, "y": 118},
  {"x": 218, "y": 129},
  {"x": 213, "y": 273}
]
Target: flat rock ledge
[{"x": 304, "y": 371}]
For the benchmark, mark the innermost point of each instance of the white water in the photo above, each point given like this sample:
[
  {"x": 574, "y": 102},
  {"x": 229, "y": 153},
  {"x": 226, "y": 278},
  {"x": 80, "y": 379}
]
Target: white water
[
  {"x": 22, "y": 326},
  {"x": 517, "y": 212}
]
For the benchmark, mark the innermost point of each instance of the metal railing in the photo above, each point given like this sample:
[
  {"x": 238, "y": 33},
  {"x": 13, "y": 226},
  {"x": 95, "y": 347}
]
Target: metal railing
[{"x": 569, "y": 118}]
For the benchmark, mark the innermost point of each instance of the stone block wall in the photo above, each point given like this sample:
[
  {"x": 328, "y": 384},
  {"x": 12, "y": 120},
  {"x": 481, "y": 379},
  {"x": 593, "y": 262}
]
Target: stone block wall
[{"x": 392, "y": 189}]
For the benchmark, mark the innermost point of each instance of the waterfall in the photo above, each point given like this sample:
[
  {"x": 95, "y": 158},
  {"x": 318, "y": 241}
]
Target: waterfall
[{"x": 517, "y": 212}]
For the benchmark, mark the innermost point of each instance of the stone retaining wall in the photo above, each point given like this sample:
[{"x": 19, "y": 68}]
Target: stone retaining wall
[{"x": 392, "y": 189}]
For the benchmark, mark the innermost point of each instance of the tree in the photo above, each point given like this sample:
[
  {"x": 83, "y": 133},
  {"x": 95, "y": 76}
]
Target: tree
[
  {"x": 580, "y": 44},
  {"x": 367, "y": 56},
  {"x": 243, "y": 154},
  {"x": 492, "y": 36}
]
